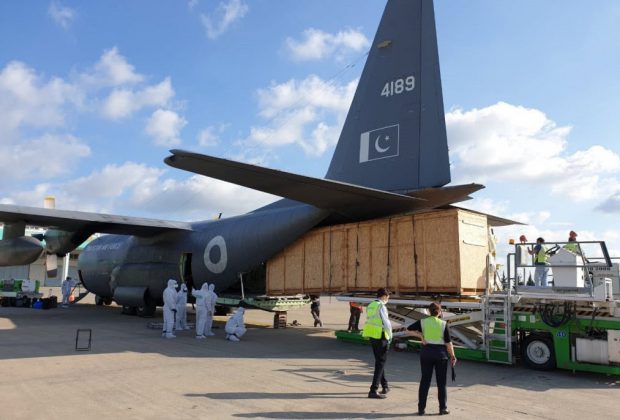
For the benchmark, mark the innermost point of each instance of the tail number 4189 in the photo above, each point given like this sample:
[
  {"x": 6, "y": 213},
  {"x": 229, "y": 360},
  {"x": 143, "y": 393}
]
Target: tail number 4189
[{"x": 398, "y": 86}]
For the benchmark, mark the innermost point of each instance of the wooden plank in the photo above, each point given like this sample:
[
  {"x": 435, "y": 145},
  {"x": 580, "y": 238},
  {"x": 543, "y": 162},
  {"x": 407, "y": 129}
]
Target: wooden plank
[
  {"x": 293, "y": 268},
  {"x": 352, "y": 256},
  {"x": 335, "y": 245},
  {"x": 275, "y": 274},
  {"x": 314, "y": 262},
  {"x": 473, "y": 250},
  {"x": 364, "y": 281},
  {"x": 402, "y": 263},
  {"x": 378, "y": 235}
]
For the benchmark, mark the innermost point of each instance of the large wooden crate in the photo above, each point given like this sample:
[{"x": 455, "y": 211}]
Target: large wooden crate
[{"x": 443, "y": 251}]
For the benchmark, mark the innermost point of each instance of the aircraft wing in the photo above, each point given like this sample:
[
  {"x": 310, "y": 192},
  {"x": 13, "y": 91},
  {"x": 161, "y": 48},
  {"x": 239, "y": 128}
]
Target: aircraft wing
[
  {"x": 85, "y": 221},
  {"x": 321, "y": 193}
]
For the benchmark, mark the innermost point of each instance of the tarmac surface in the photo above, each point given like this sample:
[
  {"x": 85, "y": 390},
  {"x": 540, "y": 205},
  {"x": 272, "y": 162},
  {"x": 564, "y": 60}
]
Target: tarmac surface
[{"x": 294, "y": 373}]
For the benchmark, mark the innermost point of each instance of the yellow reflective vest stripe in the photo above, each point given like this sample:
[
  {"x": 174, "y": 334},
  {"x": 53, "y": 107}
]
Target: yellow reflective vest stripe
[
  {"x": 541, "y": 256},
  {"x": 571, "y": 246},
  {"x": 433, "y": 330},
  {"x": 373, "y": 328}
]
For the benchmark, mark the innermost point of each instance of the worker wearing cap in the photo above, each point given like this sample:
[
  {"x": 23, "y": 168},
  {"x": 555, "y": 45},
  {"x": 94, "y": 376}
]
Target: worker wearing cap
[
  {"x": 379, "y": 330},
  {"x": 540, "y": 262},
  {"x": 572, "y": 244},
  {"x": 436, "y": 350}
]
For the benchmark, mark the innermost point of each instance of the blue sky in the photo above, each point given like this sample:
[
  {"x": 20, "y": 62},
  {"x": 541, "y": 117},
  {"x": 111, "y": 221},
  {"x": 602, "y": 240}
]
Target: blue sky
[{"x": 94, "y": 94}]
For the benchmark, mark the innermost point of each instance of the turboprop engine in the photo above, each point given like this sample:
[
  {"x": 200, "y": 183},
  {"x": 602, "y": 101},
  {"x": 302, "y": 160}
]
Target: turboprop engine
[
  {"x": 18, "y": 249},
  {"x": 22, "y": 250}
]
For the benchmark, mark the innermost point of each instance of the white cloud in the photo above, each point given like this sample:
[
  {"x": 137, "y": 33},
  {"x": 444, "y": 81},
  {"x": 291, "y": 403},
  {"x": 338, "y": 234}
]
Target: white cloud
[
  {"x": 30, "y": 103},
  {"x": 611, "y": 204},
  {"x": 309, "y": 113},
  {"x": 208, "y": 137},
  {"x": 112, "y": 181},
  {"x": 107, "y": 190},
  {"x": 27, "y": 100},
  {"x": 122, "y": 103},
  {"x": 164, "y": 127},
  {"x": 226, "y": 14},
  {"x": 191, "y": 4},
  {"x": 200, "y": 197},
  {"x": 41, "y": 158},
  {"x": 62, "y": 15},
  {"x": 317, "y": 44},
  {"x": 112, "y": 69},
  {"x": 507, "y": 143}
]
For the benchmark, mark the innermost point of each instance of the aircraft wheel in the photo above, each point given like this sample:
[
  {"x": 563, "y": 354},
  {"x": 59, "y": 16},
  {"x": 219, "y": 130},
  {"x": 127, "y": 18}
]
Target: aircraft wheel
[
  {"x": 98, "y": 300},
  {"x": 221, "y": 310},
  {"x": 128, "y": 310},
  {"x": 538, "y": 352},
  {"x": 107, "y": 301},
  {"x": 146, "y": 311}
]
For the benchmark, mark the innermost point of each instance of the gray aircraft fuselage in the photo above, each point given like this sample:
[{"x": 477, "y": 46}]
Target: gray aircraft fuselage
[{"x": 218, "y": 252}]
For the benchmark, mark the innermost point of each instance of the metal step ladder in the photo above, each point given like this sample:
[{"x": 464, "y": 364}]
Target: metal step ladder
[{"x": 497, "y": 327}]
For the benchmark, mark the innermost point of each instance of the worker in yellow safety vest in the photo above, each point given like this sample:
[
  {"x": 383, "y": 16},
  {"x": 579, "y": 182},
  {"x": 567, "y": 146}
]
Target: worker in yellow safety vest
[
  {"x": 379, "y": 330},
  {"x": 572, "y": 244},
  {"x": 540, "y": 262},
  {"x": 436, "y": 349}
]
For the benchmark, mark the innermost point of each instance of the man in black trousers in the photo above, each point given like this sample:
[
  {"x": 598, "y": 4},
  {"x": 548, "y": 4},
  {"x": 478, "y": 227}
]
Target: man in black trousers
[{"x": 379, "y": 330}]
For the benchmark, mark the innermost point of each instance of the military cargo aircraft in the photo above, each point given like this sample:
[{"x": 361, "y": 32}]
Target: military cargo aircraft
[{"x": 391, "y": 158}]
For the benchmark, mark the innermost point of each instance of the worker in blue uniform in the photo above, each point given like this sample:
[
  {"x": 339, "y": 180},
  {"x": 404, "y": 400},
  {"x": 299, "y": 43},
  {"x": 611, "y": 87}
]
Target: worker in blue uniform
[{"x": 436, "y": 350}]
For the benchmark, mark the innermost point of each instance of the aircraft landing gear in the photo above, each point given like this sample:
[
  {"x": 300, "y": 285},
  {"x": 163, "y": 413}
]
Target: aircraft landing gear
[
  {"x": 221, "y": 310},
  {"x": 128, "y": 310},
  {"x": 100, "y": 300},
  {"x": 146, "y": 311}
]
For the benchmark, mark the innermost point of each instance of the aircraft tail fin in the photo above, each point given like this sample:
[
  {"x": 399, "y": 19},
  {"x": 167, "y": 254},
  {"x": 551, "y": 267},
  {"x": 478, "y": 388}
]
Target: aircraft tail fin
[{"x": 394, "y": 137}]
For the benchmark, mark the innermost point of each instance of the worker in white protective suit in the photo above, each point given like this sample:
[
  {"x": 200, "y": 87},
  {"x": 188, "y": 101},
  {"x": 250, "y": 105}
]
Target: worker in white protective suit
[
  {"x": 181, "y": 315},
  {"x": 235, "y": 327},
  {"x": 201, "y": 309},
  {"x": 211, "y": 300},
  {"x": 170, "y": 307},
  {"x": 66, "y": 287}
]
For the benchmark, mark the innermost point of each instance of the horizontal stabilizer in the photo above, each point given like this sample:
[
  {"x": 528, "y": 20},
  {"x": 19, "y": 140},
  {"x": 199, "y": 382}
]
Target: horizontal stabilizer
[
  {"x": 437, "y": 197},
  {"x": 321, "y": 193}
]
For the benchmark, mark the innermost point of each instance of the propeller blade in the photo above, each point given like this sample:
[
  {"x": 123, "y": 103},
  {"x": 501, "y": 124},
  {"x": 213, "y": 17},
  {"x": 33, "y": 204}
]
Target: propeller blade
[{"x": 51, "y": 265}]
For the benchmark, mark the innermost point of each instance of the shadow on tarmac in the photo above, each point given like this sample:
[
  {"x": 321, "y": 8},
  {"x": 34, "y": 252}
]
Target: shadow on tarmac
[
  {"x": 28, "y": 333},
  {"x": 324, "y": 415},
  {"x": 278, "y": 395}
]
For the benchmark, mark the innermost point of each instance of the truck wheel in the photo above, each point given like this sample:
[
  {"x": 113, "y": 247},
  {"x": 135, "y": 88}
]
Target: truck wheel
[
  {"x": 107, "y": 301},
  {"x": 98, "y": 300},
  {"x": 538, "y": 352}
]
